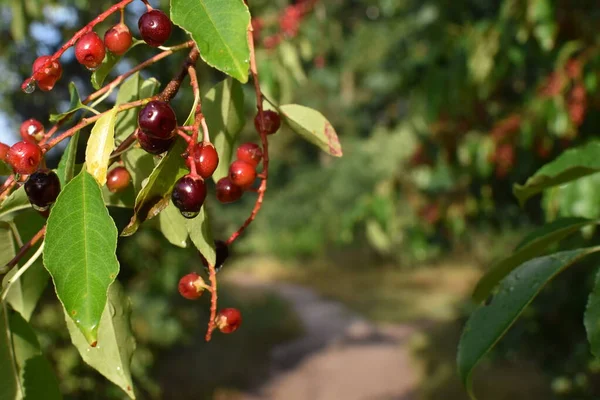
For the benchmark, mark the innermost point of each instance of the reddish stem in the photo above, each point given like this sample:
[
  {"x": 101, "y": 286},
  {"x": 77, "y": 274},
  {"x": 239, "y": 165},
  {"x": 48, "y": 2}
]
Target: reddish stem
[
  {"x": 24, "y": 249},
  {"x": 80, "y": 33},
  {"x": 212, "y": 276},
  {"x": 265, "y": 145},
  {"x": 7, "y": 186}
]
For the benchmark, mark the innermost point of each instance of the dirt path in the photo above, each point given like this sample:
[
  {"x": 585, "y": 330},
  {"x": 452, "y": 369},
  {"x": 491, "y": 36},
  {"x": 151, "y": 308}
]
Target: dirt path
[{"x": 341, "y": 356}]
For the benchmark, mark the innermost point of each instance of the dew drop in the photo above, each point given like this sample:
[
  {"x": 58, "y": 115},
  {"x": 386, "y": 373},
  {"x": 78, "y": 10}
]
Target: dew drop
[
  {"x": 92, "y": 69},
  {"x": 28, "y": 86},
  {"x": 118, "y": 368},
  {"x": 88, "y": 349},
  {"x": 189, "y": 214},
  {"x": 112, "y": 309}
]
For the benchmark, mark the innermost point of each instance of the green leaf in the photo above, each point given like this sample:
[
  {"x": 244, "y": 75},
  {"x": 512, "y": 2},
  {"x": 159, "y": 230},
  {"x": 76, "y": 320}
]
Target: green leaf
[
  {"x": 5, "y": 169},
  {"x": 155, "y": 195},
  {"x": 220, "y": 31},
  {"x": 66, "y": 166},
  {"x": 592, "y": 318},
  {"x": 25, "y": 293},
  {"x": 131, "y": 90},
  {"x": 109, "y": 62},
  {"x": 7, "y": 246},
  {"x": 312, "y": 126},
  {"x": 223, "y": 108},
  {"x": 75, "y": 105},
  {"x": 99, "y": 146},
  {"x": 81, "y": 241},
  {"x": 570, "y": 165},
  {"x": 173, "y": 226},
  {"x": 534, "y": 245},
  {"x": 488, "y": 324},
  {"x": 140, "y": 165},
  {"x": 201, "y": 235},
  {"x": 116, "y": 344},
  {"x": 10, "y": 387},
  {"x": 37, "y": 378},
  {"x": 17, "y": 201}
]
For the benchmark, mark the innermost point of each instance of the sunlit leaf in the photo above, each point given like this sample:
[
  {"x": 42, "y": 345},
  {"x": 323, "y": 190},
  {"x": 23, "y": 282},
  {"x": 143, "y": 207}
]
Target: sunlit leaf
[
  {"x": 100, "y": 144},
  {"x": 66, "y": 166},
  {"x": 173, "y": 226},
  {"x": 201, "y": 235}
]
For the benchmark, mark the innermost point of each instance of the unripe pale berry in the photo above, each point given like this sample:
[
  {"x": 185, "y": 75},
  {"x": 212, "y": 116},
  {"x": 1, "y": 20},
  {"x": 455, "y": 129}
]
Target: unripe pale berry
[
  {"x": 32, "y": 130},
  {"x": 24, "y": 157},
  {"x": 118, "y": 39},
  {"x": 155, "y": 27},
  {"x": 46, "y": 72},
  {"x": 90, "y": 50},
  {"x": 228, "y": 320},
  {"x": 242, "y": 174},
  {"x": 118, "y": 179}
]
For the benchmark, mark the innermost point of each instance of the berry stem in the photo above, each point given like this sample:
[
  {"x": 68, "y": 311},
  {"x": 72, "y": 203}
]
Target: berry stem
[
  {"x": 88, "y": 28},
  {"x": 6, "y": 187},
  {"x": 197, "y": 113},
  {"x": 24, "y": 249},
  {"x": 212, "y": 276},
  {"x": 264, "y": 141}
]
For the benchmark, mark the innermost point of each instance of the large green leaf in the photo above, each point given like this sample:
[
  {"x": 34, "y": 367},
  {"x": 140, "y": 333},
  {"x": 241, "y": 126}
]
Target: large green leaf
[
  {"x": 220, "y": 30},
  {"x": 131, "y": 90},
  {"x": 173, "y": 226},
  {"x": 116, "y": 344},
  {"x": 592, "y": 317},
  {"x": 7, "y": 246},
  {"x": 75, "y": 105},
  {"x": 17, "y": 201},
  {"x": 155, "y": 195},
  {"x": 312, "y": 126},
  {"x": 201, "y": 235},
  {"x": 66, "y": 166},
  {"x": 37, "y": 378},
  {"x": 570, "y": 165},
  {"x": 223, "y": 108},
  {"x": 534, "y": 245},
  {"x": 81, "y": 241},
  {"x": 10, "y": 387},
  {"x": 99, "y": 146},
  {"x": 490, "y": 322}
]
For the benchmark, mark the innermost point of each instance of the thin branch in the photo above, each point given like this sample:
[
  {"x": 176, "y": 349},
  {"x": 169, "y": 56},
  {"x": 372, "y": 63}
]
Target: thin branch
[
  {"x": 24, "y": 249},
  {"x": 21, "y": 271},
  {"x": 212, "y": 276}
]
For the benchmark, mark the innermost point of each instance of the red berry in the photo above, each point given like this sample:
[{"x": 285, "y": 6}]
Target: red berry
[
  {"x": 191, "y": 286},
  {"x": 227, "y": 192},
  {"x": 206, "y": 159},
  {"x": 90, "y": 50},
  {"x": 242, "y": 174},
  {"x": 118, "y": 179},
  {"x": 42, "y": 188},
  {"x": 24, "y": 157},
  {"x": 270, "y": 122},
  {"x": 4, "y": 148},
  {"x": 228, "y": 320},
  {"x": 46, "y": 72},
  {"x": 157, "y": 119},
  {"x": 188, "y": 195},
  {"x": 155, "y": 27},
  {"x": 32, "y": 130},
  {"x": 118, "y": 39},
  {"x": 153, "y": 145},
  {"x": 250, "y": 152}
]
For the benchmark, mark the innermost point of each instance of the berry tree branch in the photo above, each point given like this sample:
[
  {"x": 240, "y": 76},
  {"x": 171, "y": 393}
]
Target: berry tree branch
[
  {"x": 23, "y": 250},
  {"x": 212, "y": 276}
]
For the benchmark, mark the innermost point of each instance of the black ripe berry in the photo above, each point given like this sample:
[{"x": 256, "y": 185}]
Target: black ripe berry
[
  {"x": 227, "y": 192},
  {"x": 155, "y": 27},
  {"x": 268, "y": 124},
  {"x": 42, "y": 188},
  {"x": 153, "y": 145},
  {"x": 157, "y": 119},
  {"x": 222, "y": 252},
  {"x": 188, "y": 195}
]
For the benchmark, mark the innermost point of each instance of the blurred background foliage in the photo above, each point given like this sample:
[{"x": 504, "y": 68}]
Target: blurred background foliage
[{"x": 441, "y": 106}]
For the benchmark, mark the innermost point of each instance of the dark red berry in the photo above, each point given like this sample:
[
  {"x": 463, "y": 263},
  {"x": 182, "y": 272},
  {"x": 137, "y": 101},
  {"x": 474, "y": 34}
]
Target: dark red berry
[
  {"x": 188, "y": 195},
  {"x": 90, "y": 50},
  {"x": 4, "y": 148},
  {"x": 228, "y": 320},
  {"x": 155, "y": 27},
  {"x": 46, "y": 72},
  {"x": 206, "y": 159},
  {"x": 24, "y": 157},
  {"x": 118, "y": 179},
  {"x": 153, "y": 145},
  {"x": 222, "y": 253},
  {"x": 269, "y": 124},
  {"x": 242, "y": 174},
  {"x": 227, "y": 192},
  {"x": 32, "y": 130},
  {"x": 118, "y": 39},
  {"x": 250, "y": 152},
  {"x": 191, "y": 286},
  {"x": 158, "y": 119},
  {"x": 42, "y": 188}
]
